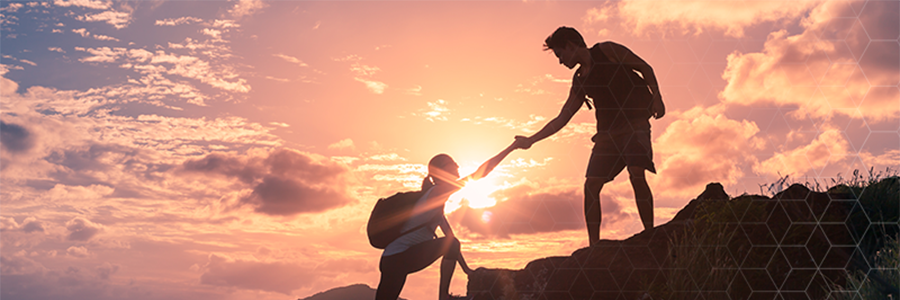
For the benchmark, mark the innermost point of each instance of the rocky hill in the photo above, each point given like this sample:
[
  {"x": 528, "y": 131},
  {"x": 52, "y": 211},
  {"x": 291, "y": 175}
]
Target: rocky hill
[
  {"x": 350, "y": 292},
  {"x": 798, "y": 244}
]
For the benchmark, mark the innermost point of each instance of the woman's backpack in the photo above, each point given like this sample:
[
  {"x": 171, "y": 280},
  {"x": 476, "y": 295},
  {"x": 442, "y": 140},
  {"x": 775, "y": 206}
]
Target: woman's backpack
[{"x": 390, "y": 215}]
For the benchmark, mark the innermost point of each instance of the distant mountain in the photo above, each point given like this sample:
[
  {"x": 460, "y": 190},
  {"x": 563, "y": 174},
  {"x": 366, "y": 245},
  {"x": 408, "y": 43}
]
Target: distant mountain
[{"x": 350, "y": 292}]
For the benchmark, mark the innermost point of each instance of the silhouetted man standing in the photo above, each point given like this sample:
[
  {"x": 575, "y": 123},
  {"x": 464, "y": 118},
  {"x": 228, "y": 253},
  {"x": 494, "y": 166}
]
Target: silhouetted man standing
[{"x": 625, "y": 94}]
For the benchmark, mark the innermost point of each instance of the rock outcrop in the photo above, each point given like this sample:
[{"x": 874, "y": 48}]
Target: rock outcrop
[{"x": 797, "y": 244}]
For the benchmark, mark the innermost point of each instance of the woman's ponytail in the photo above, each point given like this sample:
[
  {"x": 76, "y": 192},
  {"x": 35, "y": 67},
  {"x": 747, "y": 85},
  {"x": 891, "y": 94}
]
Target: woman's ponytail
[{"x": 427, "y": 183}]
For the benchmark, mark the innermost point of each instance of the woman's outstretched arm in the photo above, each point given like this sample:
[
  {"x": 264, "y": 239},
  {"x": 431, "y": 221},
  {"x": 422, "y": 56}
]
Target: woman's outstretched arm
[{"x": 489, "y": 165}]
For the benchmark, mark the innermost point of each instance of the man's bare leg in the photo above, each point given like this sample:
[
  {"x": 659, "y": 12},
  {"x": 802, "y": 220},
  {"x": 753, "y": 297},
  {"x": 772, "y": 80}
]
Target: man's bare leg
[
  {"x": 643, "y": 197},
  {"x": 593, "y": 216}
]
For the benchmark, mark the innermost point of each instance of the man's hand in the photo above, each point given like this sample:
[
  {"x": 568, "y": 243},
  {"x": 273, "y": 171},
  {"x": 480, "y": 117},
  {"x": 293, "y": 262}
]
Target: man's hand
[
  {"x": 523, "y": 142},
  {"x": 657, "y": 108}
]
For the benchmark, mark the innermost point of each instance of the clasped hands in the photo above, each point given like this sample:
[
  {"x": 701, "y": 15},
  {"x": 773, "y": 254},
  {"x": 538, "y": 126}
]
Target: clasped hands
[{"x": 522, "y": 142}]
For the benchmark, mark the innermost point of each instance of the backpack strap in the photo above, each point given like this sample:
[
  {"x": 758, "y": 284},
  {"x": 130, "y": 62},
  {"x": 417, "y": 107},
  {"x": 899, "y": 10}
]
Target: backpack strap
[{"x": 417, "y": 227}]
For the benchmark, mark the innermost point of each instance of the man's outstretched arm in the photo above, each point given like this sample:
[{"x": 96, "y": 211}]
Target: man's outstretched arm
[{"x": 573, "y": 104}]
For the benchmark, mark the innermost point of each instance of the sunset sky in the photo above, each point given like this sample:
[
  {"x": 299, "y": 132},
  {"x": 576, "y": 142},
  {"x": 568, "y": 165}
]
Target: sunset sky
[{"x": 234, "y": 149}]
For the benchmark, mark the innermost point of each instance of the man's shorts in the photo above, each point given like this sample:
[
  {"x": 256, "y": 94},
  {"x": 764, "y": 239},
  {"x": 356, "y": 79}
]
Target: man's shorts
[{"x": 613, "y": 150}]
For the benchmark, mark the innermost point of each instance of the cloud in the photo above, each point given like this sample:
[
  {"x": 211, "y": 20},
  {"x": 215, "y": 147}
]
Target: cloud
[
  {"x": 77, "y": 276},
  {"x": 828, "y": 147},
  {"x": 105, "y": 37},
  {"x": 84, "y": 33},
  {"x": 6, "y": 68},
  {"x": 392, "y": 177},
  {"x": 81, "y": 229},
  {"x": 342, "y": 144},
  {"x": 364, "y": 74},
  {"x": 12, "y": 7},
  {"x": 246, "y": 7},
  {"x": 8, "y": 224},
  {"x": 285, "y": 182},
  {"x": 416, "y": 91},
  {"x": 533, "y": 87},
  {"x": 15, "y": 138},
  {"x": 30, "y": 225},
  {"x": 19, "y": 265},
  {"x": 93, "y": 4},
  {"x": 437, "y": 111},
  {"x": 387, "y": 157},
  {"x": 291, "y": 59},
  {"x": 106, "y": 270},
  {"x": 178, "y": 21},
  {"x": 57, "y": 49},
  {"x": 156, "y": 64},
  {"x": 364, "y": 70},
  {"x": 215, "y": 34},
  {"x": 529, "y": 214},
  {"x": 703, "y": 147},
  {"x": 267, "y": 276},
  {"x": 78, "y": 251},
  {"x": 376, "y": 87},
  {"x": 695, "y": 16},
  {"x": 343, "y": 265},
  {"x": 117, "y": 19},
  {"x": 830, "y": 68},
  {"x": 285, "y": 197}
]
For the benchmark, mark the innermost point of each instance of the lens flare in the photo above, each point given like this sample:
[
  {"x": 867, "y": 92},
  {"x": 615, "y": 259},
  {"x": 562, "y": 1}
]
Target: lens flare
[
  {"x": 475, "y": 193},
  {"x": 486, "y": 217}
]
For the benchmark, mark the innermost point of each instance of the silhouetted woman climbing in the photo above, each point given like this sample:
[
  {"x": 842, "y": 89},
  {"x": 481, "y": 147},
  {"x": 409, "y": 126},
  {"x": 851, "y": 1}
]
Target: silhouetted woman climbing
[{"x": 419, "y": 248}]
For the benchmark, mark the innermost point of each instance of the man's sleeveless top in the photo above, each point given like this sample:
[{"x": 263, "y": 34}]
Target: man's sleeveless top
[{"x": 621, "y": 97}]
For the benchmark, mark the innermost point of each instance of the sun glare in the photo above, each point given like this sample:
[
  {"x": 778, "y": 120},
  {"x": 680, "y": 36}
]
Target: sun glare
[{"x": 475, "y": 193}]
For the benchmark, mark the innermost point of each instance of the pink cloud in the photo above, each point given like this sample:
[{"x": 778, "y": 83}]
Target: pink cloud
[
  {"x": 81, "y": 229},
  {"x": 274, "y": 276},
  {"x": 827, "y": 69},
  {"x": 246, "y": 7},
  {"x": 827, "y": 148},
  {"x": 285, "y": 182},
  {"x": 525, "y": 214},
  {"x": 78, "y": 251},
  {"x": 529, "y": 210},
  {"x": 696, "y": 16},
  {"x": 15, "y": 138},
  {"x": 700, "y": 148}
]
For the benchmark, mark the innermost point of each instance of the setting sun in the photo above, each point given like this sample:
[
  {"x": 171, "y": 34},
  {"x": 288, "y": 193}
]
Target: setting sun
[{"x": 475, "y": 193}]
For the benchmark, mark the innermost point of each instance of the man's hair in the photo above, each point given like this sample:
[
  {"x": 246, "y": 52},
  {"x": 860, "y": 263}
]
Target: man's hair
[{"x": 563, "y": 36}]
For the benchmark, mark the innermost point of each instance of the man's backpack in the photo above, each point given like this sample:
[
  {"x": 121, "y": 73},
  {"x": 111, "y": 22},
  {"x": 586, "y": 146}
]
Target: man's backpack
[{"x": 390, "y": 215}]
